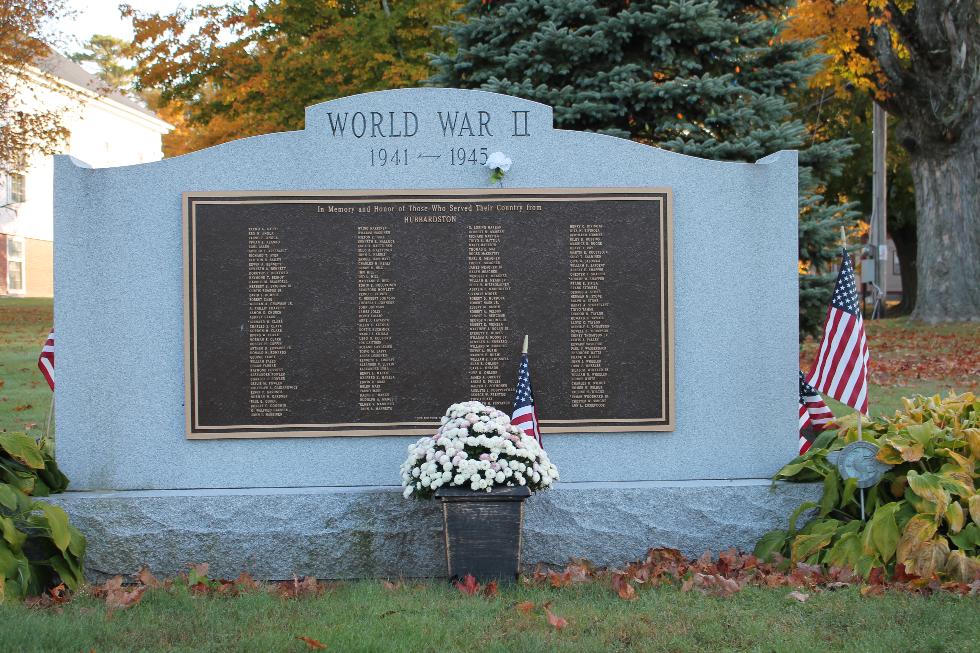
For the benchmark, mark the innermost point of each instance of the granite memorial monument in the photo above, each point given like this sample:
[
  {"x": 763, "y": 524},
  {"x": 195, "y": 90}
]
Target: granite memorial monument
[{"x": 228, "y": 317}]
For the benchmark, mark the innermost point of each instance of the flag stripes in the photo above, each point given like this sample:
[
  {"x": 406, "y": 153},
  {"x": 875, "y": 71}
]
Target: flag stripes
[
  {"x": 806, "y": 429},
  {"x": 815, "y": 415},
  {"x": 524, "y": 415},
  {"x": 841, "y": 368},
  {"x": 525, "y": 419},
  {"x": 45, "y": 361}
]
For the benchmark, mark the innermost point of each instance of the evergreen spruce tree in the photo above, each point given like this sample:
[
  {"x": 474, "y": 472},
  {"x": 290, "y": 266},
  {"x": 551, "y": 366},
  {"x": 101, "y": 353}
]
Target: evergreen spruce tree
[{"x": 708, "y": 78}]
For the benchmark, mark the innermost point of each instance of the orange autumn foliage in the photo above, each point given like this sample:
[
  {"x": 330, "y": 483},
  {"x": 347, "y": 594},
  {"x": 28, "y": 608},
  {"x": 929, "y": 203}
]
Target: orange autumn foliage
[
  {"x": 841, "y": 31},
  {"x": 223, "y": 72}
]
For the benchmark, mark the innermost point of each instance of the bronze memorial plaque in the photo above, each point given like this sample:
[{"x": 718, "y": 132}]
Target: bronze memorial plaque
[{"x": 369, "y": 312}]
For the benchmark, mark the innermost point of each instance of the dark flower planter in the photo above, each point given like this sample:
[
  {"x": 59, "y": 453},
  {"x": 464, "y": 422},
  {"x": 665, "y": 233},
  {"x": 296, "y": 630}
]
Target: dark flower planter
[{"x": 483, "y": 531}]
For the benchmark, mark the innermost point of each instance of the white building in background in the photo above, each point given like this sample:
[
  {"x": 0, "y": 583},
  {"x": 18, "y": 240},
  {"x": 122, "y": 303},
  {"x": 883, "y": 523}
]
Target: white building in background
[{"x": 105, "y": 129}]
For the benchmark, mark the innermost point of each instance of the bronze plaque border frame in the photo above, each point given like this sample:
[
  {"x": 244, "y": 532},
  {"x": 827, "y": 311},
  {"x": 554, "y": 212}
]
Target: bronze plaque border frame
[{"x": 189, "y": 200}]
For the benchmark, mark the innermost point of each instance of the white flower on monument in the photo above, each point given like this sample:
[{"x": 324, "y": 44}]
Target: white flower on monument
[
  {"x": 499, "y": 160},
  {"x": 499, "y": 164}
]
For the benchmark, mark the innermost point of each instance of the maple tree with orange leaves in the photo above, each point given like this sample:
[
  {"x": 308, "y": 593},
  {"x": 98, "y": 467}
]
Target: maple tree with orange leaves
[{"x": 220, "y": 72}]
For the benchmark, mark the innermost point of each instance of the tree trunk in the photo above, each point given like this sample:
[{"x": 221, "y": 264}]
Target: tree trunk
[
  {"x": 905, "y": 241},
  {"x": 930, "y": 77},
  {"x": 947, "y": 202}
]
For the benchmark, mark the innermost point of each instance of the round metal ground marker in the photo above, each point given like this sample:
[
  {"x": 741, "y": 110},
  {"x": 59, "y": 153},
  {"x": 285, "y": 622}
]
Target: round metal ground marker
[{"x": 858, "y": 460}]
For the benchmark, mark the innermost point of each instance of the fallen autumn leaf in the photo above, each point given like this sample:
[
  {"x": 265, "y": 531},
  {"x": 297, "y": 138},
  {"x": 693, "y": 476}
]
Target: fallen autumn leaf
[
  {"x": 312, "y": 643},
  {"x": 469, "y": 586},
  {"x": 559, "y": 623}
]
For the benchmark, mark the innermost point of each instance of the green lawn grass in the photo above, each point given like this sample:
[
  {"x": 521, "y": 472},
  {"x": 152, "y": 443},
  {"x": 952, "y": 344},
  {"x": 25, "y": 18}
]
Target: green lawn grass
[
  {"x": 909, "y": 358},
  {"x": 363, "y": 616},
  {"x": 24, "y": 395}
]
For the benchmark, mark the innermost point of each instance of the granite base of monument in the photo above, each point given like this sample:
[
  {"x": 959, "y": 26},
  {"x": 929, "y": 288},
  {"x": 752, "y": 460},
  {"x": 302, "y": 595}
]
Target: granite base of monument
[{"x": 331, "y": 532}]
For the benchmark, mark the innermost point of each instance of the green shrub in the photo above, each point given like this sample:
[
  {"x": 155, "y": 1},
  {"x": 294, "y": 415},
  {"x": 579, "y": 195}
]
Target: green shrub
[
  {"x": 39, "y": 548},
  {"x": 924, "y": 514}
]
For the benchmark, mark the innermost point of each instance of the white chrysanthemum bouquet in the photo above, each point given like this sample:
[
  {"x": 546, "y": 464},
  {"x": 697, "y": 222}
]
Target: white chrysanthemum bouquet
[{"x": 476, "y": 447}]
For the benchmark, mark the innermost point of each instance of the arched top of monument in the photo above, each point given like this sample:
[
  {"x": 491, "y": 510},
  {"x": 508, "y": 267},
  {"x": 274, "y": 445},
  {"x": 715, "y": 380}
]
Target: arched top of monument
[
  {"x": 458, "y": 115},
  {"x": 436, "y": 138}
]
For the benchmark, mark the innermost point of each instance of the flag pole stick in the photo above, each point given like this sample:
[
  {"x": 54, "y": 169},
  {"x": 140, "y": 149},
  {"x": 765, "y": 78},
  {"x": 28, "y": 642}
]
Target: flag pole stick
[
  {"x": 843, "y": 238},
  {"x": 47, "y": 423},
  {"x": 524, "y": 351},
  {"x": 860, "y": 419}
]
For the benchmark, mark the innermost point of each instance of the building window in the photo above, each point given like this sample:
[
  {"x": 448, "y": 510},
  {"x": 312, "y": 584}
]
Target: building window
[
  {"x": 16, "y": 188},
  {"x": 15, "y": 264}
]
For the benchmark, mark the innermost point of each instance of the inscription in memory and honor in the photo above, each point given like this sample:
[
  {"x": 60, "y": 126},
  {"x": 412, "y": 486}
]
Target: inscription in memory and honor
[{"x": 368, "y": 312}]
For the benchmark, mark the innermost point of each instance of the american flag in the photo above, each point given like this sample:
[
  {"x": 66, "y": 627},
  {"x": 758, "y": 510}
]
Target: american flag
[
  {"x": 46, "y": 360},
  {"x": 814, "y": 414},
  {"x": 841, "y": 368},
  {"x": 524, "y": 416}
]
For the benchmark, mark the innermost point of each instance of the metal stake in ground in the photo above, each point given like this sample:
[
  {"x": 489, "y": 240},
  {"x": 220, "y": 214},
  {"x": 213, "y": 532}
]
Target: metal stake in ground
[
  {"x": 47, "y": 422},
  {"x": 860, "y": 439}
]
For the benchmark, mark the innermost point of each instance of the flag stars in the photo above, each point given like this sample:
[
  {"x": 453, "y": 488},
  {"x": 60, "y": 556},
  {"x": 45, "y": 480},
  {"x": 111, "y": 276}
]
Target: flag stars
[{"x": 845, "y": 295}]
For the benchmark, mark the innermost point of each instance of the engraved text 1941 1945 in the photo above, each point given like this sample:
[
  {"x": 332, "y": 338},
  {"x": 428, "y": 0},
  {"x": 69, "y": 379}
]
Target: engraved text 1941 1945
[{"x": 391, "y": 135}]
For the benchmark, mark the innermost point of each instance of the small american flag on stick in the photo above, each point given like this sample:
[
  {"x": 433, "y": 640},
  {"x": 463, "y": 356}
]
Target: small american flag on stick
[
  {"x": 814, "y": 415},
  {"x": 841, "y": 368},
  {"x": 46, "y": 360},
  {"x": 524, "y": 416}
]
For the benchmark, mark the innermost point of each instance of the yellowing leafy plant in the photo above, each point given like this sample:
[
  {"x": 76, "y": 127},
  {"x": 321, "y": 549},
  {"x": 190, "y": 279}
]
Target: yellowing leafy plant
[
  {"x": 923, "y": 517},
  {"x": 38, "y": 547}
]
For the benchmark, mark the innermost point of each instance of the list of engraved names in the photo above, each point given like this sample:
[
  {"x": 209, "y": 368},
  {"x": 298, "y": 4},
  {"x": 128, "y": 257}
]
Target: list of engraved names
[
  {"x": 587, "y": 313},
  {"x": 375, "y": 296},
  {"x": 487, "y": 294},
  {"x": 268, "y": 281}
]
